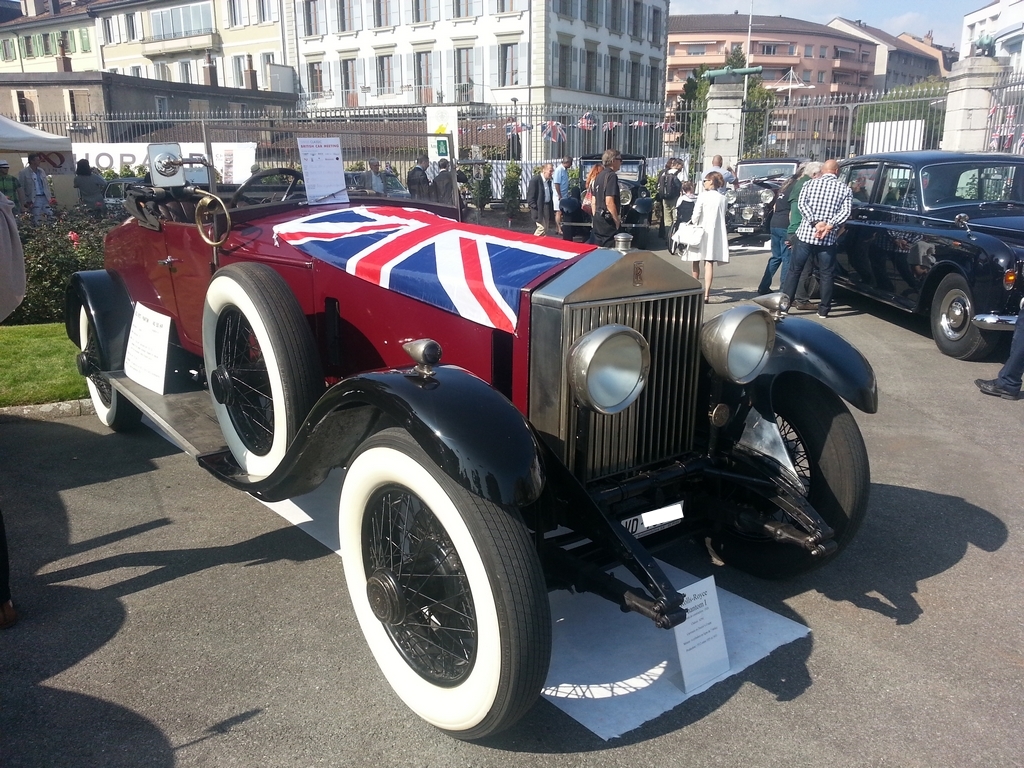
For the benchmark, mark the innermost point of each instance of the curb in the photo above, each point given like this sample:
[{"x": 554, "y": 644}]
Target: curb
[{"x": 48, "y": 411}]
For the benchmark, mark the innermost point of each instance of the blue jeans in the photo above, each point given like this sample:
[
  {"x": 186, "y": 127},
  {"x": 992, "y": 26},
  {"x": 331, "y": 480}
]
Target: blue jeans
[
  {"x": 826, "y": 258},
  {"x": 780, "y": 258},
  {"x": 1010, "y": 374}
]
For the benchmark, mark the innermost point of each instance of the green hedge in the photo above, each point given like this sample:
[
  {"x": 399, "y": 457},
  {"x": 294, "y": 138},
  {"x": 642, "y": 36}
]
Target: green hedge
[{"x": 55, "y": 250}]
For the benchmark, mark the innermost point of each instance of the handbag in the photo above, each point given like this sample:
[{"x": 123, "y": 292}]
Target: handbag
[
  {"x": 588, "y": 202},
  {"x": 689, "y": 235}
]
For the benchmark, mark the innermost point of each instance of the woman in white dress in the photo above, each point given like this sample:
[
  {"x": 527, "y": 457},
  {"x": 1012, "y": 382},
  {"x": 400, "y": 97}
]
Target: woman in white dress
[{"x": 709, "y": 214}]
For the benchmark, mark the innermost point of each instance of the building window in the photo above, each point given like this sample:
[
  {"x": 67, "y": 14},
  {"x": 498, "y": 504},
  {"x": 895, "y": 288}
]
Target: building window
[
  {"x": 314, "y": 20},
  {"x": 315, "y": 77},
  {"x": 181, "y": 21},
  {"x": 508, "y": 64},
  {"x": 792, "y": 50},
  {"x": 638, "y": 20},
  {"x": 348, "y": 83},
  {"x": 564, "y": 65},
  {"x": 161, "y": 105},
  {"x": 161, "y": 71},
  {"x": 235, "y": 13},
  {"x": 238, "y": 71},
  {"x": 823, "y": 52},
  {"x": 26, "y": 104},
  {"x": 808, "y": 51},
  {"x": 348, "y": 15},
  {"x": 655, "y": 92},
  {"x": 806, "y": 76},
  {"x": 422, "y": 74},
  {"x": 821, "y": 77},
  {"x": 264, "y": 11},
  {"x": 135, "y": 71},
  {"x": 108, "y": 30},
  {"x": 266, "y": 59},
  {"x": 9, "y": 52},
  {"x": 385, "y": 75},
  {"x": 590, "y": 71},
  {"x": 615, "y": 16},
  {"x": 696, "y": 50},
  {"x": 656, "y": 26},
  {"x": 78, "y": 104},
  {"x": 132, "y": 29},
  {"x": 591, "y": 11},
  {"x": 463, "y": 74},
  {"x": 184, "y": 71},
  {"x": 769, "y": 50},
  {"x": 420, "y": 11},
  {"x": 564, "y": 8},
  {"x": 614, "y": 63},
  {"x": 198, "y": 105},
  {"x": 382, "y": 13},
  {"x": 634, "y": 80}
]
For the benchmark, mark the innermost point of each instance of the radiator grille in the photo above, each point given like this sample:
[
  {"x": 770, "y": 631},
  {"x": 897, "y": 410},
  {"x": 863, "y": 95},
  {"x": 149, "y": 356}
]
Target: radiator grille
[{"x": 660, "y": 424}]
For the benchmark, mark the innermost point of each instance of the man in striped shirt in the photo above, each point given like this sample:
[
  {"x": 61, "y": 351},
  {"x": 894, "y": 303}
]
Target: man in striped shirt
[{"x": 824, "y": 205}]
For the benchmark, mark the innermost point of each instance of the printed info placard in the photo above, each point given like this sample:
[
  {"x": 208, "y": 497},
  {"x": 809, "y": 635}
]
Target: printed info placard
[
  {"x": 701, "y": 639},
  {"x": 323, "y": 170},
  {"x": 145, "y": 359}
]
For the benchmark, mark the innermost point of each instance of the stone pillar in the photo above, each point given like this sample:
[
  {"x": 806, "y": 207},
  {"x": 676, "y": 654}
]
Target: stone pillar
[
  {"x": 722, "y": 126},
  {"x": 968, "y": 102}
]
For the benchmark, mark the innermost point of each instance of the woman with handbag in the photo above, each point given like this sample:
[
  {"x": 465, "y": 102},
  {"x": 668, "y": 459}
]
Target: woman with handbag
[
  {"x": 709, "y": 215},
  {"x": 684, "y": 210}
]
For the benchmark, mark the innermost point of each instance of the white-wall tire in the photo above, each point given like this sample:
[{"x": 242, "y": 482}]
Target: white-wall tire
[
  {"x": 111, "y": 408},
  {"x": 274, "y": 374},
  {"x": 494, "y": 554}
]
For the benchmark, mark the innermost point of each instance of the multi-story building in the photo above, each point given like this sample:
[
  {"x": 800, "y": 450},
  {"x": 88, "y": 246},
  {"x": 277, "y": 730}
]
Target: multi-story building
[
  {"x": 946, "y": 55},
  {"x": 383, "y": 52},
  {"x": 897, "y": 62},
  {"x": 31, "y": 41},
  {"x": 819, "y": 57}
]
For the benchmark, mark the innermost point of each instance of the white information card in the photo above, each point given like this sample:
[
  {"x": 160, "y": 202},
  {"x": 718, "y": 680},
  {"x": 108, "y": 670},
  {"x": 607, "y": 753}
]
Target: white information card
[
  {"x": 145, "y": 359},
  {"x": 323, "y": 170},
  {"x": 701, "y": 638}
]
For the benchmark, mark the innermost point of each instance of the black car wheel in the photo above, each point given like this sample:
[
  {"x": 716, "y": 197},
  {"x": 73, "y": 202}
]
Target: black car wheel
[
  {"x": 828, "y": 452},
  {"x": 954, "y": 333},
  {"x": 447, "y": 588},
  {"x": 261, "y": 363},
  {"x": 111, "y": 407}
]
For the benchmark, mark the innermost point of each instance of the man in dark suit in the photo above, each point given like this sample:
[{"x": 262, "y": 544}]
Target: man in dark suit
[
  {"x": 445, "y": 191},
  {"x": 540, "y": 198},
  {"x": 417, "y": 181}
]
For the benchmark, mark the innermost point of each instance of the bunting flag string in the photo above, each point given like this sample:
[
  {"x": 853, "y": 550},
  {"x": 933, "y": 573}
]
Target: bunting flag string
[
  {"x": 586, "y": 122},
  {"x": 611, "y": 125},
  {"x": 553, "y": 131}
]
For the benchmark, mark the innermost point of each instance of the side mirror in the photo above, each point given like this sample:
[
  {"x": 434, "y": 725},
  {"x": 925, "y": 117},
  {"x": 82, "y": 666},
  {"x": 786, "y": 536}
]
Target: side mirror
[
  {"x": 961, "y": 220},
  {"x": 165, "y": 166}
]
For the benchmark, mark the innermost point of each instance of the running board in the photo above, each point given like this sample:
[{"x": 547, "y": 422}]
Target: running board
[{"x": 186, "y": 418}]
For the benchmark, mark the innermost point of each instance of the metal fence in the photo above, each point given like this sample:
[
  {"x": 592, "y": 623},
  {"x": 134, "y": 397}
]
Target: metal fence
[
  {"x": 1006, "y": 115},
  {"x": 526, "y": 132},
  {"x": 844, "y": 126}
]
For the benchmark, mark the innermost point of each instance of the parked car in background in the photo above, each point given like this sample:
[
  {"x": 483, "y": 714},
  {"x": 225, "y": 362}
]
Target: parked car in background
[
  {"x": 583, "y": 414},
  {"x": 939, "y": 234},
  {"x": 393, "y": 187},
  {"x": 750, "y": 202},
  {"x": 635, "y": 201},
  {"x": 114, "y": 194}
]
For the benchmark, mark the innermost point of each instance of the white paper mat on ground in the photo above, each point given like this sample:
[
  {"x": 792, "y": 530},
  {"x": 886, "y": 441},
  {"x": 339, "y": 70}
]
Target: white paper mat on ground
[
  {"x": 613, "y": 671},
  {"x": 610, "y": 671}
]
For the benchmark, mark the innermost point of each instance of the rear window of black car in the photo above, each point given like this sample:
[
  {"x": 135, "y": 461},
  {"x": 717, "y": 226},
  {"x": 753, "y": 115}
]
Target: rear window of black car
[{"x": 954, "y": 184}]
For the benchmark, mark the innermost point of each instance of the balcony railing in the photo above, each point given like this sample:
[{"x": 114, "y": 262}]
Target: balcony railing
[
  {"x": 178, "y": 34},
  {"x": 305, "y": 99}
]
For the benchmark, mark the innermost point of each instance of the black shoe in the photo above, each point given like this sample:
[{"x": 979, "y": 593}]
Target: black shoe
[
  {"x": 806, "y": 306},
  {"x": 992, "y": 388},
  {"x": 763, "y": 291}
]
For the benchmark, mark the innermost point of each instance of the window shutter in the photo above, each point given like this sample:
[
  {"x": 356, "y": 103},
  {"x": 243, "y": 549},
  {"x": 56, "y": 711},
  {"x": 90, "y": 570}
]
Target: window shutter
[
  {"x": 410, "y": 72},
  {"x": 244, "y": 8},
  {"x": 524, "y": 62},
  {"x": 357, "y": 15},
  {"x": 321, "y": 17},
  {"x": 21, "y": 51},
  {"x": 449, "y": 73},
  {"x": 333, "y": 22},
  {"x": 37, "y": 45},
  {"x": 407, "y": 12},
  {"x": 576, "y": 57},
  {"x": 478, "y": 73},
  {"x": 393, "y": 18},
  {"x": 602, "y": 78},
  {"x": 554, "y": 64},
  {"x": 227, "y": 12},
  {"x": 492, "y": 69},
  {"x": 435, "y": 72},
  {"x": 434, "y": 9},
  {"x": 475, "y": 7},
  {"x": 396, "y": 63}
]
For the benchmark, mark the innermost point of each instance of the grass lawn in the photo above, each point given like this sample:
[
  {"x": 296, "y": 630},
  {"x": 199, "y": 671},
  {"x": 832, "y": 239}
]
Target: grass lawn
[{"x": 37, "y": 365}]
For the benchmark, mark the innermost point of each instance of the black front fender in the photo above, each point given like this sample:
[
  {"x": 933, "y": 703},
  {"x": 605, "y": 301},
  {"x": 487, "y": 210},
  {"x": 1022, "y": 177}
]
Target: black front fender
[
  {"x": 106, "y": 300},
  {"x": 473, "y": 433},
  {"x": 807, "y": 347}
]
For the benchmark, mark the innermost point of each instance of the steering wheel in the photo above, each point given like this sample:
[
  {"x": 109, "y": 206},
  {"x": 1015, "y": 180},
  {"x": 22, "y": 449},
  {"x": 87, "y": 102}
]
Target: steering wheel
[
  {"x": 241, "y": 192},
  {"x": 206, "y": 211}
]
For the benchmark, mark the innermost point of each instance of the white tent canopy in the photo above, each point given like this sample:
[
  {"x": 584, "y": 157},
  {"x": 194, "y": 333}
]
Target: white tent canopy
[{"x": 15, "y": 137}]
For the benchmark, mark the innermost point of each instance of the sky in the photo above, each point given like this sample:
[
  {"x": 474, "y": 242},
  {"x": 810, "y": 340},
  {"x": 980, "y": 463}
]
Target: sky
[{"x": 943, "y": 17}]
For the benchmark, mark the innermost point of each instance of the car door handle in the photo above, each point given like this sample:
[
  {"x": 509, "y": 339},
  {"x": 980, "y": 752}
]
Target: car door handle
[{"x": 168, "y": 261}]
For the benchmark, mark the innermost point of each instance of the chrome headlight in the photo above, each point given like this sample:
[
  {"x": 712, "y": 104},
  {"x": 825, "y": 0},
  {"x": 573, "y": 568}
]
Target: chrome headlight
[
  {"x": 608, "y": 368},
  {"x": 748, "y": 213},
  {"x": 738, "y": 343},
  {"x": 730, "y": 196},
  {"x": 625, "y": 196},
  {"x": 767, "y": 195}
]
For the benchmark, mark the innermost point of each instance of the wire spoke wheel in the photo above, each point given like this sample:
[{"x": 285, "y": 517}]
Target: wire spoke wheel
[
  {"x": 405, "y": 542},
  {"x": 113, "y": 410},
  {"x": 252, "y": 407}
]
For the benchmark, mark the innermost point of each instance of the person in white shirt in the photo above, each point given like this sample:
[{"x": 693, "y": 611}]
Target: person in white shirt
[
  {"x": 35, "y": 189},
  {"x": 560, "y": 179},
  {"x": 717, "y": 166}
]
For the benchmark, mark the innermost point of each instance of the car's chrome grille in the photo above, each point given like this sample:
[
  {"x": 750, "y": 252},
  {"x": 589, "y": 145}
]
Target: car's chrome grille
[{"x": 660, "y": 424}]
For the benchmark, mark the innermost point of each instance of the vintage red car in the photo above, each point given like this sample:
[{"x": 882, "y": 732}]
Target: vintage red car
[{"x": 583, "y": 413}]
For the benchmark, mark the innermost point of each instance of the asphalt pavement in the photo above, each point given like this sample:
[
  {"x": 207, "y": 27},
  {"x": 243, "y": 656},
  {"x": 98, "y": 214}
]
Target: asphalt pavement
[{"x": 168, "y": 620}]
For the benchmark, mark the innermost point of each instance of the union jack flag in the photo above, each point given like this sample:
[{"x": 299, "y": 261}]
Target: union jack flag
[
  {"x": 611, "y": 125},
  {"x": 586, "y": 122},
  {"x": 666, "y": 126},
  {"x": 1008, "y": 141},
  {"x": 553, "y": 131},
  {"x": 474, "y": 272},
  {"x": 511, "y": 127}
]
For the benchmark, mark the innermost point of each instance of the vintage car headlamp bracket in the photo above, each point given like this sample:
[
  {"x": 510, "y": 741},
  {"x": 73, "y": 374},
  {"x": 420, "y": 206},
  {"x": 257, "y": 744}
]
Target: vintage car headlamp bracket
[
  {"x": 738, "y": 343},
  {"x": 608, "y": 368}
]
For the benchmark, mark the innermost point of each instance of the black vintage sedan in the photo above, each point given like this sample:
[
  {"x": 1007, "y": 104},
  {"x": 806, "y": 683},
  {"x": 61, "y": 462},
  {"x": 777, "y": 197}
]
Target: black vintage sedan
[
  {"x": 758, "y": 183},
  {"x": 635, "y": 202},
  {"x": 939, "y": 234}
]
